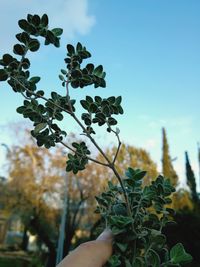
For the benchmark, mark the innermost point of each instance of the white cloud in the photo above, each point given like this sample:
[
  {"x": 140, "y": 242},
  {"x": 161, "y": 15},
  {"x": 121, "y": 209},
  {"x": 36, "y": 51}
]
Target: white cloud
[{"x": 71, "y": 15}]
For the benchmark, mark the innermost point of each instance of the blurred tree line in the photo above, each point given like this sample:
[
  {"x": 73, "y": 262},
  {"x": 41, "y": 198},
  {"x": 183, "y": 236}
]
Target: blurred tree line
[{"x": 35, "y": 189}]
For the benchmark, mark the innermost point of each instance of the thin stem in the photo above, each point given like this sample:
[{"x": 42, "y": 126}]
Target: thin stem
[
  {"x": 123, "y": 189},
  {"x": 73, "y": 150},
  {"x": 26, "y": 97},
  {"x": 42, "y": 97},
  {"x": 90, "y": 137},
  {"x": 118, "y": 148}
]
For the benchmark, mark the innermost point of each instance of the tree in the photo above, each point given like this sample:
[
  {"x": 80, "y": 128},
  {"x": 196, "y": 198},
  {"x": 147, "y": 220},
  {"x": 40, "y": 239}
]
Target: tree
[
  {"x": 36, "y": 189},
  {"x": 191, "y": 181},
  {"x": 134, "y": 157},
  {"x": 199, "y": 160},
  {"x": 167, "y": 166}
]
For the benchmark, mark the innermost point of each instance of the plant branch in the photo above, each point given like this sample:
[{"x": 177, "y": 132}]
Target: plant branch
[
  {"x": 118, "y": 148},
  {"x": 39, "y": 96},
  {"x": 123, "y": 189},
  {"x": 110, "y": 164}
]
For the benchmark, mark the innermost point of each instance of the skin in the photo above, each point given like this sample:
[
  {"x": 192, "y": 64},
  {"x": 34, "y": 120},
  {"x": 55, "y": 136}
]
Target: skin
[{"x": 90, "y": 254}]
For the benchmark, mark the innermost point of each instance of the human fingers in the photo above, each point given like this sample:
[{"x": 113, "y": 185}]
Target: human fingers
[{"x": 90, "y": 254}]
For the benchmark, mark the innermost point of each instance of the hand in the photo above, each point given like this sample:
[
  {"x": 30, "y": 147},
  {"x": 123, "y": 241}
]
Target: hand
[{"x": 90, "y": 254}]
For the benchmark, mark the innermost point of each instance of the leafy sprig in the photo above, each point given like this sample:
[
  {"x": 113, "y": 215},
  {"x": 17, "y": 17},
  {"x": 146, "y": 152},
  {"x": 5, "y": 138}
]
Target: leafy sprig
[{"x": 135, "y": 215}]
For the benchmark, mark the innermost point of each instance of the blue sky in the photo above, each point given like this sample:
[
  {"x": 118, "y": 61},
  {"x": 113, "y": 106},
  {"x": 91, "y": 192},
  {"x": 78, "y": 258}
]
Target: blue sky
[{"x": 150, "y": 50}]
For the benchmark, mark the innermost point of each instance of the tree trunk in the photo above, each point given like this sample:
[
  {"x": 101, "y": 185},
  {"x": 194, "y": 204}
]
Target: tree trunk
[
  {"x": 51, "y": 261},
  {"x": 24, "y": 244}
]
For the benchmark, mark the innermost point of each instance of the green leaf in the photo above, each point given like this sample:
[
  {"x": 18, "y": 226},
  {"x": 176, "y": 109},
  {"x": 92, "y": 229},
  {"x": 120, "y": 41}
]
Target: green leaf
[
  {"x": 36, "y": 20},
  {"x": 84, "y": 104},
  {"x": 139, "y": 175},
  {"x": 19, "y": 49},
  {"x": 34, "y": 80},
  {"x": 34, "y": 45},
  {"x": 3, "y": 75},
  {"x": 59, "y": 116},
  {"x": 25, "y": 38},
  {"x": 90, "y": 67},
  {"x": 93, "y": 108},
  {"x": 75, "y": 84},
  {"x": 57, "y": 31},
  {"x": 61, "y": 77},
  {"x": 39, "y": 127},
  {"x": 79, "y": 47},
  {"x": 120, "y": 220},
  {"x": 26, "y": 63},
  {"x": 89, "y": 99},
  {"x": 64, "y": 72},
  {"x": 44, "y": 20},
  {"x": 138, "y": 262},
  {"x": 7, "y": 59},
  {"x": 98, "y": 99},
  {"x": 50, "y": 37},
  {"x": 54, "y": 96},
  {"x": 112, "y": 121},
  {"x": 29, "y": 18},
  {"x": 21, "y": 109},
  {"x": 70, "y": 49},
  {"x": 121, "y": 246},
  {"x": 98, "y": 70},
  {"x": 127, "y": 263},
  {"x": 130, "y": 173},
  {"x": 114, "y": 261},
  {"x": 111, "y": 99},
  {"x": 118, "y": 100},
  {"x": 76, "y": 74},
  {"x": 179, "y": 255},
  {"x": 153, "y": 258},
  {"x": 24, "y": 25}
]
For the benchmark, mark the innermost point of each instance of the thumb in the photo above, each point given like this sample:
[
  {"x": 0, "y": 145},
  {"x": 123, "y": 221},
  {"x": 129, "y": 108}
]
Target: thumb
[{"x": 91, "y": 254}]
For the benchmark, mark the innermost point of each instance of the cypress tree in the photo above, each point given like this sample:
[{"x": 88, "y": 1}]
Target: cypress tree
[
  {"x": 167, "y": 167},
  {"x": 191, "y": 181},
  {"x": 199, "y": 160}
]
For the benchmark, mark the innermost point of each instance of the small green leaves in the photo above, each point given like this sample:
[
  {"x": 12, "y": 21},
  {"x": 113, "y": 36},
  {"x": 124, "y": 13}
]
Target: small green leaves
[
  {"x": 140, "y": 228},
  {"x": 77, "y": 161},
  {"x": 38, "y": 26},
  {"x": 100, "y": 111},
  {"x": 178, "y": 255},
  {"x": 81, "y": 77}
]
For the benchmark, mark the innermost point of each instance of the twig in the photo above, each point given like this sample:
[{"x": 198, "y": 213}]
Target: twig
[
  {"x": 40, "y": 96},
  {"x": 118, "y": 148}
]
